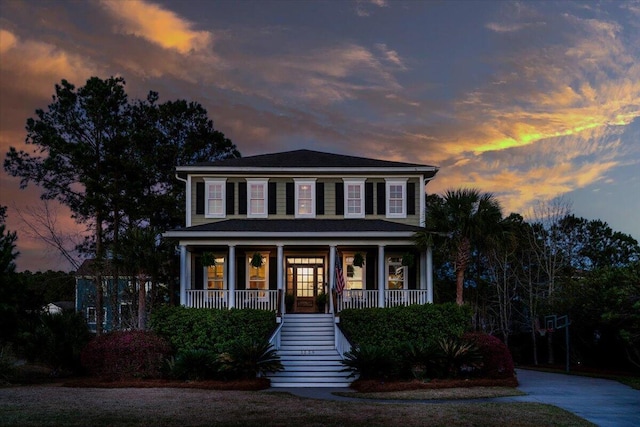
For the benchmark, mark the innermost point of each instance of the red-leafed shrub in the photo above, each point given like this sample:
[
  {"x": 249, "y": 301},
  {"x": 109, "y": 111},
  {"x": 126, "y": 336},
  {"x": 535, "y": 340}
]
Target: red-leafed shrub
[
  {"x": 126, "y": 354},
  {"x": 496, "y": 357}
]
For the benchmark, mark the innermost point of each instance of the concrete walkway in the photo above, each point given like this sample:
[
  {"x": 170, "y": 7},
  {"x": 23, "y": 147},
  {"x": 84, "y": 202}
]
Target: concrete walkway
[{"x": 605, "y": 403}]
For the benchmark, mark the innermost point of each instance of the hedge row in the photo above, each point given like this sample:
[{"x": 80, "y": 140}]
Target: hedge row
[
  {"x": 189, "y": 329},
  {"x": 393, "y": 327}
]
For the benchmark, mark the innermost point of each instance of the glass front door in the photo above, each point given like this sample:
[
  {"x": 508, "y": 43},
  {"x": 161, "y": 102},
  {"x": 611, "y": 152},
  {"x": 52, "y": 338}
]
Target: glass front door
[{"x": 305, "y": 278}]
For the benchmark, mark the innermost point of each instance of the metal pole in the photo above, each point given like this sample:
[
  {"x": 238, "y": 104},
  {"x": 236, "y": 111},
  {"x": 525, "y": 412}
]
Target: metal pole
[{"x": 566, "y": 337}]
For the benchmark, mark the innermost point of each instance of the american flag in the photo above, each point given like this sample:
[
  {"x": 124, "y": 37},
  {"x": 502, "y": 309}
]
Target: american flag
[{"x": 339, "y": 274}]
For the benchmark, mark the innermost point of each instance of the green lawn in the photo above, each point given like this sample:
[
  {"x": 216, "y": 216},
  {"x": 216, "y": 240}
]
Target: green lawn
[{"x": 62, "y": 406}]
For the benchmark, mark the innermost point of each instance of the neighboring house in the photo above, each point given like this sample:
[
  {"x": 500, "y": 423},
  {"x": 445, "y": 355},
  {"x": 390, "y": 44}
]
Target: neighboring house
[
  {"x": 117, "y": 305},
  {"x": 284, "y": 223},
  {"x": 298, "y": 210}
]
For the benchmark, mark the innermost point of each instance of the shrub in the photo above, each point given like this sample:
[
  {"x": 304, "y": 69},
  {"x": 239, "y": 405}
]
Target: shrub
[
  {"x": 210, "y": 330},
  {"x": 455, "y": 353},
  {"x": 419, "y": 361},
  {"x": 369, "y": 362},
  {"x": 496, "y": 358},
  {"x": 249, "y": 358},
  {"x": 194, "y": 365},
  {"x": 392, "y": 327},
  {"x": 56, "y": 340},
  {"x": 126, "y": 354}
]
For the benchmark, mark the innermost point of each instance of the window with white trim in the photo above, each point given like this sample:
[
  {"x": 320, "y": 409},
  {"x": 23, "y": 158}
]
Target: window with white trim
[
  {"x": 354, "y": 198},
  {"x": 215, "y": 194},
  {"x": 215, "y": 274},
  {"x": 257, "y": 197},
  {"x": 305, "y": 198},
  {"x": 355, "y": 275},
  {"x": 396, "y": 198},
  {"x": 396, "y": 273},
  {"x": 258, "y": 277}
]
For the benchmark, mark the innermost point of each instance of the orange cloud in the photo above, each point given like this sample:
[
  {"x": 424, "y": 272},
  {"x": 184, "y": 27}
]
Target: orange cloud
[
  {"x": 157, "y": 25},
  {"x": 39, "y": 64}
]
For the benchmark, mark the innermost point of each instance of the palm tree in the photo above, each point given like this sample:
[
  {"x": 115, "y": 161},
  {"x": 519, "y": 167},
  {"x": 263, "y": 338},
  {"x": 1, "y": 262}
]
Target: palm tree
[{"x": 461, "y": 220}]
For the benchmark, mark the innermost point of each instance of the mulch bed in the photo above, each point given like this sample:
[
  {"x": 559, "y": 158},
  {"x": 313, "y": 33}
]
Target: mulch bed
[
  {"x": 242, "y": 385},
  {"x": 371, "y": 386}
]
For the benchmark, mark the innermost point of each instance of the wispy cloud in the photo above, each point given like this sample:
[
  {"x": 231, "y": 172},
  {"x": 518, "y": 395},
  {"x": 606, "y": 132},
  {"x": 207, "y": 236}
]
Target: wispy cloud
[
  {"x": 363, "y": 7},
  {"x": 157, "y": 25}
]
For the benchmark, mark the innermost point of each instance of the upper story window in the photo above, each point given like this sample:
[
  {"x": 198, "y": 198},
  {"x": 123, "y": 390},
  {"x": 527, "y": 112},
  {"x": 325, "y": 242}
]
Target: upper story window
[
  {"x": 215, "y": 190},
  {"x": 354, "y": 198},
  {"x": 396, "y": 198},
  {"x": 305, "y": 198},
  {"x": 257, "y": 198}
]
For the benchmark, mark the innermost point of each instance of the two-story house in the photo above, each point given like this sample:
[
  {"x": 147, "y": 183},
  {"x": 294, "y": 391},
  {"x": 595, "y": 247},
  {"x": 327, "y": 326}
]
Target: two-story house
[
  {"x": 277, "y": 230},
  {"x": 296, "y": 211}
]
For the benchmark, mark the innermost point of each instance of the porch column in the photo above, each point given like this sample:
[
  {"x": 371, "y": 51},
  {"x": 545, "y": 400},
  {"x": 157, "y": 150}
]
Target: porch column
[
  {"x": 429, "y": 274},
  {"x": 280, "y": 272},
  {"x": 183, "y": 275},
  {"x": 423, "y": 274},
  {"x": 332, "y": 276},
  {"x": 382, "y": 281},
  {"x": 232, "y": 276}
]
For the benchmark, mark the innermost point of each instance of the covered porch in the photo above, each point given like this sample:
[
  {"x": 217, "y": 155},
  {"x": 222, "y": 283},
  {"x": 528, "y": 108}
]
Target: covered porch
[{"x": 304, "y": 279}]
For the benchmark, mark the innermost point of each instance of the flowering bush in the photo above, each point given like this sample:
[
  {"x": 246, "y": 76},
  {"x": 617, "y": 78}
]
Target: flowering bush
[
  {"x": 126, "y": 354},
  {"x": 496, "y": 357}
]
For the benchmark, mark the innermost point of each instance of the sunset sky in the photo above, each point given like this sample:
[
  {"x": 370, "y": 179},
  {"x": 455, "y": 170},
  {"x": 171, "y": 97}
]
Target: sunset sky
[{"x": 528, "y": 100}]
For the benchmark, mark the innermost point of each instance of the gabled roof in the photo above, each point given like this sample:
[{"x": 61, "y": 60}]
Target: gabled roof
[
  {"x": 306, "y": 227},
  {"x": 308, "y": 159}
]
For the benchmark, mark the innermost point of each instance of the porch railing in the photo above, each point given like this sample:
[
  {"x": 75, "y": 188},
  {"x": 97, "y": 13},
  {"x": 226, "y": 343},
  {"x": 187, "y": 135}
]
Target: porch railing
[
  {"x": 268, "y": 299},
  {"x": 355, "y": 298},
  {"x": 219, "y": 299},
  {"x": 397, "y": 297}
]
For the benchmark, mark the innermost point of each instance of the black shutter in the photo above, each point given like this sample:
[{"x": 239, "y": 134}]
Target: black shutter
[
  {"x": 230, "y": 198},
  {"x": 242, "y": 198},
  {"x": 241, "y": 273},
  {"x": 200, "y": 198},
  {"x": 413, "y": 275},
  {"x": 319, "y": 198},
  {"x": 382, "y": 199},
  {"x": 273, "y": 273},
  {"x": 339, "y": 198},
  {"x": 290, "y": 196},
  {"x": 411, "y": 198},
  {"x": 273, "y": 197},
  {"x": 199, "y": 274},
  {"x": 368, "y": 198},
  {"x": 370, "y": 267}
]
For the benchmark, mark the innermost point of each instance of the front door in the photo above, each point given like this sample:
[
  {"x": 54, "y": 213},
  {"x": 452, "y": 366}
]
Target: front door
[{"x": 306, "y": 278}]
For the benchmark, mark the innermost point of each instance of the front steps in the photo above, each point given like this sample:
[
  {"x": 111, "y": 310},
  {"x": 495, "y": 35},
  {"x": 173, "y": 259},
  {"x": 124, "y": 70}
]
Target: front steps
[{"x": 307, "y": 352}]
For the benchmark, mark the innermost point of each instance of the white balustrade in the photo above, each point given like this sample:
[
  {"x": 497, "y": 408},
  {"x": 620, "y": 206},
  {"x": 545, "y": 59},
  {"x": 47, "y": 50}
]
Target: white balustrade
[
  {"x": 210, "y": 298},
  {"x": 258, "y": 299},
  {"x": 219, "y": 299},
  {"x": 357, "y": 298}
]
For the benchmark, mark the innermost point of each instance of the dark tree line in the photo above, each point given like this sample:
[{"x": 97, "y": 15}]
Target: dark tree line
[
  {"x": 111, "y": 160},
  {"x": 515, "y": 272}
]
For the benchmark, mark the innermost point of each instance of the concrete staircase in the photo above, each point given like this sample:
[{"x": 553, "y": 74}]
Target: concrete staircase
[{"x": 307, "y": 352}]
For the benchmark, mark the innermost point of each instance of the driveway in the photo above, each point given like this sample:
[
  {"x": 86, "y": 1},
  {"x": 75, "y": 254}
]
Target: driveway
[{"x": 603, "y": 402}]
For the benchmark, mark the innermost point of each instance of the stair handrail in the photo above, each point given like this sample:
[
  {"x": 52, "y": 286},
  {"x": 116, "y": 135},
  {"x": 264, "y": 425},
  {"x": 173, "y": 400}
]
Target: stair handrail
[
  {"x": 274, "y": 340},
  {"x": 342, "y": 343}
]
